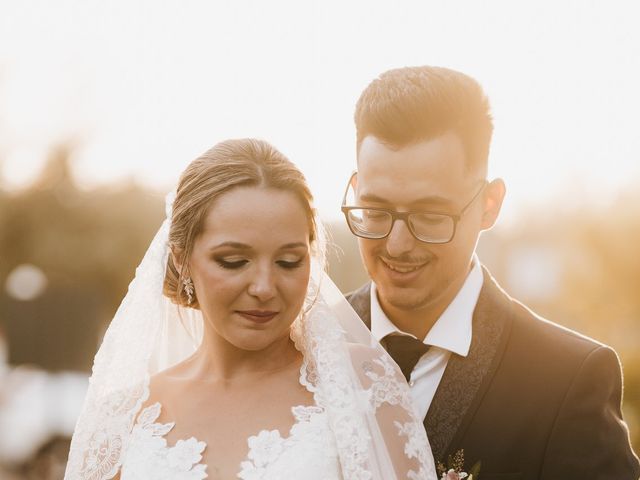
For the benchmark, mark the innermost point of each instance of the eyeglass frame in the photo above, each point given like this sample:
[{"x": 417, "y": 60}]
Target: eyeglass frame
[{"x": 404, "y": 216}]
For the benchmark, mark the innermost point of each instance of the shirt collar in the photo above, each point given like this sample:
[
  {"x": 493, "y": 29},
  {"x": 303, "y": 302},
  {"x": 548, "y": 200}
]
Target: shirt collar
[{"x": 453, "y": 330}]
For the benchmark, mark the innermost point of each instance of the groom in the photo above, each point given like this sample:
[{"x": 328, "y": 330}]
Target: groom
[{"x": 525, "y": 397}]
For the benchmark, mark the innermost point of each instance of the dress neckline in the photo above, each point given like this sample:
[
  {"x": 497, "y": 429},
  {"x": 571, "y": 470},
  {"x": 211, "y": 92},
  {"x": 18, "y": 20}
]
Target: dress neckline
[{"x": 263, "y": 447}]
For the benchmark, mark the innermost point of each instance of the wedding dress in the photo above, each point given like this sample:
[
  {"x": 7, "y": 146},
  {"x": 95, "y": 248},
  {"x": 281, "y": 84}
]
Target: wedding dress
[
  {"x": 306, "y": 451},
  {"x": 361, "y": 427}
]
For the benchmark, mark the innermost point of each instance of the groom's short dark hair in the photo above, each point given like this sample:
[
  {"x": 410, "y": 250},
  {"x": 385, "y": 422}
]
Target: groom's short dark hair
[{"x": 410, "y": 104}]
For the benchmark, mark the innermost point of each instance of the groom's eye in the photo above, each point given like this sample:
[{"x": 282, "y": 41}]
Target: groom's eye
[{"x": 375, "y": 214}]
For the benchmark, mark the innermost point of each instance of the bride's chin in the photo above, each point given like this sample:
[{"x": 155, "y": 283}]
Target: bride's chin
[{"x": 259, "y": 341}]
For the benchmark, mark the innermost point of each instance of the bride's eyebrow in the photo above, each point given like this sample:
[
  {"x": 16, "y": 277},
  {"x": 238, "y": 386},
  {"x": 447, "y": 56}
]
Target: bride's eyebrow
[
  {"x": 244, "y": 246},
  {"x": 290, "y": 246},
  {"x": 235, "y": 245}
]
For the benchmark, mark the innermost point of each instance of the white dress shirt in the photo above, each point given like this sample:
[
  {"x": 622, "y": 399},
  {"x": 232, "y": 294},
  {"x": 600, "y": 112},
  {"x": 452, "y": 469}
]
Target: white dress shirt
[{"x": 451, "y": 333}]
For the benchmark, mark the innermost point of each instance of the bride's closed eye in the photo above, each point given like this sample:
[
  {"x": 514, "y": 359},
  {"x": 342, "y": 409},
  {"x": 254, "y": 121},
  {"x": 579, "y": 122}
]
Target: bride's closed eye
[
  {"x": 291, "y": 260},
  {"x": 290, "y": 265},
  {"x": 231, "y": 264}
]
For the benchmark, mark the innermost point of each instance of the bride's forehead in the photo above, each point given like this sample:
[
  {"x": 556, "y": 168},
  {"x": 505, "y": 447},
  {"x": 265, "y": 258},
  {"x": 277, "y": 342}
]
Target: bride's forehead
[
  {"x": 255, "y": 213},
  {"x": 254, "y": 200},
  {"x": 265, "y": 223}
]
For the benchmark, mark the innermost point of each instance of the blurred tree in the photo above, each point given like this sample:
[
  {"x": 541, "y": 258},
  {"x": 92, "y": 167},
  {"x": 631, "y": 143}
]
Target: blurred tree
[
  {"x": 87, "y": 244},
  {"x": 591, "y": 281}
]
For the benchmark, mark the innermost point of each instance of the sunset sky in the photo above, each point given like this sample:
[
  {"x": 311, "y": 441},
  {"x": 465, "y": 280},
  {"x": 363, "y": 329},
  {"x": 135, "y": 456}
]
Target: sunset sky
[{"x": 142, "y": 87}]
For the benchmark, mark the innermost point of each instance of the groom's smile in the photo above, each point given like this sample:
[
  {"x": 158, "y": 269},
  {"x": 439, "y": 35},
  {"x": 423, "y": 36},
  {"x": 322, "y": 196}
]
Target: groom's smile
[{"x": 403, "y": 272}]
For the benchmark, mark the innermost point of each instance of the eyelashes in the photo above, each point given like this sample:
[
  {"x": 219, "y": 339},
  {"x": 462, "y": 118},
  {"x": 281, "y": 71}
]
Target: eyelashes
[
  {"x": 234, "y": 265},
  {"x": 289, "y": 265},
  {"x": 238, "y": 264}
]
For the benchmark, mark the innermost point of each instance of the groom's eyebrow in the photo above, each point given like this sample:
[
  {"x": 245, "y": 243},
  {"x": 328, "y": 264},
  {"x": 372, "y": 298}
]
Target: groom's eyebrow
[{"x": 428, "y": 201}]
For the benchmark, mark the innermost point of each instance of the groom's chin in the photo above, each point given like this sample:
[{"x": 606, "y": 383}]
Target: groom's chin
[{"x": 403, "y": 298}]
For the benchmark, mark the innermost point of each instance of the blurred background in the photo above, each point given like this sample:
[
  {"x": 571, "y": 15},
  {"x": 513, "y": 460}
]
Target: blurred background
[{"x": 102, "y": 104}]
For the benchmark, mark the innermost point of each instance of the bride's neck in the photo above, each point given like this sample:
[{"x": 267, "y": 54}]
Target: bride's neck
[{"x": 218, "y": 359}]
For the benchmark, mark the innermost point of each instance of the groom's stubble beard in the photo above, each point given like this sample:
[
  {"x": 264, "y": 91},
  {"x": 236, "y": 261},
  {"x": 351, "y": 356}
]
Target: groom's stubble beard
[
  {"x": 406, "y": 299},
  {"x": 419, "y": 306},
  {"x": 413, "y": 297}
]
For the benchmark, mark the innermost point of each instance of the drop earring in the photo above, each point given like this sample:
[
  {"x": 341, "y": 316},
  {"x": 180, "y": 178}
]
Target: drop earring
[{"x": 187, "y": 285}]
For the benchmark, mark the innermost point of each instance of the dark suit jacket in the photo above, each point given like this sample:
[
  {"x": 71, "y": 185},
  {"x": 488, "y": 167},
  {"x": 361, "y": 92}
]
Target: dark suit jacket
[{"x": 532, "y": 400}]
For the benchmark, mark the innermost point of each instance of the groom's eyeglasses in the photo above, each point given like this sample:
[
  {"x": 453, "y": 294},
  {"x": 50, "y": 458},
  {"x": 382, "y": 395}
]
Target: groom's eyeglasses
[{"x": 428, "y": 227}]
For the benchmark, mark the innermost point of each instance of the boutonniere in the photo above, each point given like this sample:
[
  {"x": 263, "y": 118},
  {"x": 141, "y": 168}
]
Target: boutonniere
[{"x": 454, "y": 469}]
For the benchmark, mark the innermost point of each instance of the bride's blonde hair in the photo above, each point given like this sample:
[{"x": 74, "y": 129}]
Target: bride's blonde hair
[{"x": 229, "y": 164}]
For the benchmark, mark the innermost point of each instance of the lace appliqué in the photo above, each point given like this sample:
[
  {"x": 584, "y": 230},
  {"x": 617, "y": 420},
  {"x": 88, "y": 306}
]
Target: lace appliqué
[
  {"x": 108, "y": 441},
  {"x": 417, "y": 448},
  {"x": 149, "y": 456},
  {"x": 321, "y": 341},
  {"x": 325, "y": 354},
  {"x": 389, "y": 388},
  {"x": 308, "y": 447},
  {"x": 386, "y": 387}
]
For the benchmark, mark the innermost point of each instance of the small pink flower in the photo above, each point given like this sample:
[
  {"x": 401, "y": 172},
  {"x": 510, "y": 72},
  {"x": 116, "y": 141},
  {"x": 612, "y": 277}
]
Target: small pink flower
[{"x": 453, "y": 475}]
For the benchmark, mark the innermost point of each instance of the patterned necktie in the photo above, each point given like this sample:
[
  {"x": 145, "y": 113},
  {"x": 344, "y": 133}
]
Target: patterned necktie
[{"x": 406, "y": 351}]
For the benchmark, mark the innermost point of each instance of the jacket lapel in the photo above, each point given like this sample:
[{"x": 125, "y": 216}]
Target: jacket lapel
[
  {"x": 466, "y": 378},
  {"x": 360, "y": 300}
]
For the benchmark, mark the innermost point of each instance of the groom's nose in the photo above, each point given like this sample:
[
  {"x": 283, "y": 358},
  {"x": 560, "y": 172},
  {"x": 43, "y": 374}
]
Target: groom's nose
[{"x": 400, "y": 240}]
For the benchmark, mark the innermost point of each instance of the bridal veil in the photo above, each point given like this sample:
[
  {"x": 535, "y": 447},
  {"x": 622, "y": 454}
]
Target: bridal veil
[{"x": 351, "y": 376}]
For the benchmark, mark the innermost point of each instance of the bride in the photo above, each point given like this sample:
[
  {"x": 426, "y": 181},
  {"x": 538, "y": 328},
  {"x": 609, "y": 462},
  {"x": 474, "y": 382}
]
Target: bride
[{"x": 251, "y": 365}]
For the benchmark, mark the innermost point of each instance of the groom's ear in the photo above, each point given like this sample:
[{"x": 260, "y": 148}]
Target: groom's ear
[
  {"x": 353, "y": 182},
  {"x": 493, "y": 197}
]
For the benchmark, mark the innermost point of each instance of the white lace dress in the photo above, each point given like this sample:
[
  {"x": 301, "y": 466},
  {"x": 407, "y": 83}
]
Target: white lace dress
[{"x": 308, "y": 451}]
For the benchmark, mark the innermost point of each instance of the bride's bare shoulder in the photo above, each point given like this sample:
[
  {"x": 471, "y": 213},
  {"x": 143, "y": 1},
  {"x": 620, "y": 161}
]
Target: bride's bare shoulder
[
  {"x": 164, "y": 385},
  {"x": 363, "y": 353}
]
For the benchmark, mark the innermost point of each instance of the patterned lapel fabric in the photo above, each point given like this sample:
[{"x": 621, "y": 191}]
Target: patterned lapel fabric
[
  {"x": 466, "y": 378},
  {"x": 360, "y": 300}
]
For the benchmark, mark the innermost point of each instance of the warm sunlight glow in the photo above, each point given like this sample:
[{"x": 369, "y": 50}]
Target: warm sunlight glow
[{"x": 142, "y": 88}]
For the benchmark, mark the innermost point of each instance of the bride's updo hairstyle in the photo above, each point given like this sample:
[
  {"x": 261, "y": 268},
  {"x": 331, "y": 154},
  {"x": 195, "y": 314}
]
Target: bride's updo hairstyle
[{"x": 229, "y": 164}]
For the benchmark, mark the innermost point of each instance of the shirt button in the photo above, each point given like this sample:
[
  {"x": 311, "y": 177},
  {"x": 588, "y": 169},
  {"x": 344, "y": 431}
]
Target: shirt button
[{"x": 412, "y": 383}]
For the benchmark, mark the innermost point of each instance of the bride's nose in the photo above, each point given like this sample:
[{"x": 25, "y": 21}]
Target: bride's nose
[{"x": 262, "y": 284}]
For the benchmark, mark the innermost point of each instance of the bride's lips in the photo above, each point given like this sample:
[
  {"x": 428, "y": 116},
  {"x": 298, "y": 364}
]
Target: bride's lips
[
  {"x": 258, "y": 316},
  {"x": 402, "y": 273}
]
